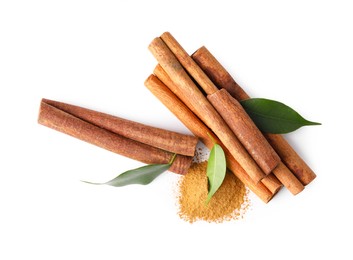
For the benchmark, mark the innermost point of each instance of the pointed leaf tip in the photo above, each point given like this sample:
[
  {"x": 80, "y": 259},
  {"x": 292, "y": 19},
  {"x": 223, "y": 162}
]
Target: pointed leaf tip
[
  {"x": 142, "y": 175},
  {"x": 274, "y": 117}
]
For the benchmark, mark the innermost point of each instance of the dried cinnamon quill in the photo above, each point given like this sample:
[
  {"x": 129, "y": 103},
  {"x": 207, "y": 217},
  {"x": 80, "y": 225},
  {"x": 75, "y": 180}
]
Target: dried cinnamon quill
[
  {"x": 198, "y": 128},
  {"x": 156, "y": 137},
  {"x": 203, "y": 108},
  {"x": 60, "y": 120},
  {"x": 229, "y": 109},
  {"x": 218, "y": 74}
]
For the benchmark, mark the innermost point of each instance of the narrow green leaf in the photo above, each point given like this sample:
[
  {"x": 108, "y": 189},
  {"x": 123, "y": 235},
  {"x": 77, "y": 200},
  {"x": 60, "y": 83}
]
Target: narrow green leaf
[
  {"x": 216, "y": 170},
  {"x": 143, "y": 175},
  {"x": 274, "y": 117}
]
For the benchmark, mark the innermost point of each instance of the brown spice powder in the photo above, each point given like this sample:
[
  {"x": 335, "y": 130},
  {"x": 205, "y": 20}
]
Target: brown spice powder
[{"x": 230, "y": 202}]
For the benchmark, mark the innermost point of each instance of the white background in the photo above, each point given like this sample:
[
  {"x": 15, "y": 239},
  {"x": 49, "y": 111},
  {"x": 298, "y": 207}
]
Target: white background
[{"x": 94, "y": 54}]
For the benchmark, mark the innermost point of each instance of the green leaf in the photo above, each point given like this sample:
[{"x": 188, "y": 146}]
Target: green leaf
[
  {"x": 143, "y": 175},
  {"x": 274, "y": 117},
  {"x": 216, "y": 170}
]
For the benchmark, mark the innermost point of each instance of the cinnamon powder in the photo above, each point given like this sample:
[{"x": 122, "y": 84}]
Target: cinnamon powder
[{"x": 230, "y": 202}]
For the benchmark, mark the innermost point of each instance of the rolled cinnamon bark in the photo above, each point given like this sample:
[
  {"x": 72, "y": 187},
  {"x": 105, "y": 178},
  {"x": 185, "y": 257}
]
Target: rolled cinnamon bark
[
  {"x": 203, "y": 109},
  {"x": 64, "y": 122},
  {"x": 189, "y": 64},
  {"x": 156, "y": 137},
  {"x": 245, "y": 129},
  {"x": 199, "y": 129},
  {"x": 219, "y": 75},
  {"x": 291, "y": 159},
  {"x": 270, "y": 181},
  {"x": 256, "y": 145},
  {"x": 288, "y": 179}
]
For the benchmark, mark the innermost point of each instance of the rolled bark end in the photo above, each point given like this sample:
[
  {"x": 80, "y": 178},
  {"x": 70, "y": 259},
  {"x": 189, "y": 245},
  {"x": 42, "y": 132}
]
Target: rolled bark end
[
  {"x": 217, "y": 73},
  {"x": 181, "y": 164},
  {"x": 272, "y": 183},
  {"x": 291, "y": 159},
  {"x": 288, "y": 179}
]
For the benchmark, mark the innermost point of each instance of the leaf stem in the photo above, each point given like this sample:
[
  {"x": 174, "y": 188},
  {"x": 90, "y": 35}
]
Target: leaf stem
[
  {"x": 211, "y": 137},
  {"x": 94, "y": 183},
  {"x": 172, "y": 159}
]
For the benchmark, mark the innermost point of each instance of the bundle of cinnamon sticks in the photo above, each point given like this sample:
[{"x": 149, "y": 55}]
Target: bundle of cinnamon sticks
[
  {"x": 131, "y": 139},
  {"x": 202, "y": 94}
]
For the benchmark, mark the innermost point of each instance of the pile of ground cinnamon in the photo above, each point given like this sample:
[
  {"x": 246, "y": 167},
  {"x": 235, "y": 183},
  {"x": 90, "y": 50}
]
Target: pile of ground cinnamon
[{"x": 229, "y": 202}]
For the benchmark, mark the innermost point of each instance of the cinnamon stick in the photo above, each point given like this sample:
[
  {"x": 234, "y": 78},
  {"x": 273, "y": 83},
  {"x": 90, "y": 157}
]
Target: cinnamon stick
[
  {"x": 272, "y": 183},
  {"x": 230, "y": 110},
  {"x": 291, "y": 159},
  {"x": 288, "y": 179},
  {"x": 202, "y": 108},
  {"x": 64, "y": 122},
  {"x": 199, "y": 129},
  {"x": 218, "y": 74},
  {"x": 245, "y": 129},
  {"x": 156, "y": 137}
]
